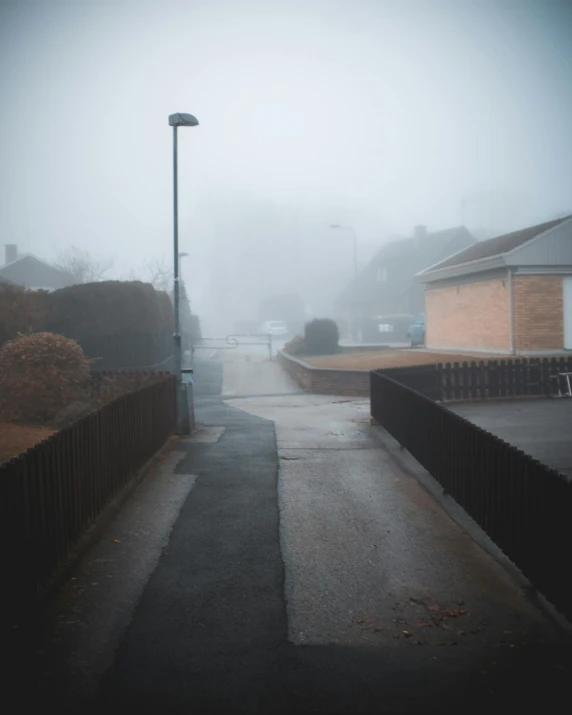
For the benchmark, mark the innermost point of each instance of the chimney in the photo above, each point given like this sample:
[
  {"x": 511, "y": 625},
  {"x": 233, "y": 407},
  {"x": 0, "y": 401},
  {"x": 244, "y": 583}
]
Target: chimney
[
  {"x": 11, "y": 252},
  {"x": 420, "y": 232}
]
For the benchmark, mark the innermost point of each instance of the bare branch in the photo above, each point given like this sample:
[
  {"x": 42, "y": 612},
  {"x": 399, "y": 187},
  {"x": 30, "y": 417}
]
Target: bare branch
[{"x": 82, "y": 265}]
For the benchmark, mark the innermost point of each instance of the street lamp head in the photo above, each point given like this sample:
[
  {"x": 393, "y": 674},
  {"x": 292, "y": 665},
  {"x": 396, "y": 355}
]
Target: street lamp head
[
  {"x": 182, "y": 255},
  {"x": 180, "y": 119},
  {"x": 335, "y": 225}
]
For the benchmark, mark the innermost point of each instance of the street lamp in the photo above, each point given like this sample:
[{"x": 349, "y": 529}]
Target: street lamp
[
  {"x": 350, "y": 229},
  {"x": 178, "y": 120}
]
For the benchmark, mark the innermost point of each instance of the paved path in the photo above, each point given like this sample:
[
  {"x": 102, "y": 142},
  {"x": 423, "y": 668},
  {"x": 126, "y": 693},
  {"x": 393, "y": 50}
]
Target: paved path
[
  {"x": 248, "y": 371},
  {"x": 293, "y": 566}
]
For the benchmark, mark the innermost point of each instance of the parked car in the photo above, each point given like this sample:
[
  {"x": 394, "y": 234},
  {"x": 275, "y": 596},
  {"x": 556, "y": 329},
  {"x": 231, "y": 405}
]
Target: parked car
[
  {"x": 416, "y": 331},
  {"x": 276, "y": 328}
]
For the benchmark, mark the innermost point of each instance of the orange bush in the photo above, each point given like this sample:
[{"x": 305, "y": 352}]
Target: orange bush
[{"x": 40, "y": 374}]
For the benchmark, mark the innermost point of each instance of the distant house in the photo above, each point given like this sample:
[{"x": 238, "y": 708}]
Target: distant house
[
  {"x": 7, "y": 282},
  {"x": 387, "y": 285},
  {"x": 511, "y": 294},
  {"x": 31, "y": 272}
]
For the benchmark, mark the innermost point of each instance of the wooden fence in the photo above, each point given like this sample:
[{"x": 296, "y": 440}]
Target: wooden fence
[
  {"x": 523, "y": 505},
  {"x": 484, "y": 379},
  {"x": 51, "y": 494}
]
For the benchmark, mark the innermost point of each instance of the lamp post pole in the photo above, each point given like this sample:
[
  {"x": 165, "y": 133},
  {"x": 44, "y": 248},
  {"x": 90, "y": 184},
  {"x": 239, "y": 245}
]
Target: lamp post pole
[
  {"x": 177, "y": 347},
  {"x": 178, "y": 120}
]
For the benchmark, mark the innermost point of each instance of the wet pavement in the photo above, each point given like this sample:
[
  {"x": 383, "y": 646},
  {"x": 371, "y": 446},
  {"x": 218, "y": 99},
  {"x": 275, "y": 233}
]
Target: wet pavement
[
  {"x": 293, "y": 564},
  {"x": 540, "y": 427}
]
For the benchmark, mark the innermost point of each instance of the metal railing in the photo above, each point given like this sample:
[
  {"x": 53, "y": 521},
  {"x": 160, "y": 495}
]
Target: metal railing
[
  {"x": 523, "y": 505},
  {"x": 51, "y": 494},
  {"x": 231, "y": 342}
]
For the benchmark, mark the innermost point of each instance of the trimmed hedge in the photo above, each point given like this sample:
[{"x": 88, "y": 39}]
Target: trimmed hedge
[{"x": 94, "y": 310}]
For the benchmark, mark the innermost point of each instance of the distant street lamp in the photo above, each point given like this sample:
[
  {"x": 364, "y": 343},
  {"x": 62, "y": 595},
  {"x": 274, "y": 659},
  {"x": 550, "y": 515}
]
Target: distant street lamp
[
  {"x": 178, "y": 120},
  {"x": 350, "y": 229},
  {"x": 355, "y": 291}
]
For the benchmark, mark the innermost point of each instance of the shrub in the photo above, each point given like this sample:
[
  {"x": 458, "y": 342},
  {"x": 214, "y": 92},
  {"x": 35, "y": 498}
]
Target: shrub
[
  {"x": 295, "y": 346},
  {"x": 72, "y": 413},
  {"x": 321, "y": 336},
  {"x": 108, "y": 387},
  {"x": 108, "y": 308},
  {"x": 40, "y": 374},
  {"x": 21, "y": 311}
]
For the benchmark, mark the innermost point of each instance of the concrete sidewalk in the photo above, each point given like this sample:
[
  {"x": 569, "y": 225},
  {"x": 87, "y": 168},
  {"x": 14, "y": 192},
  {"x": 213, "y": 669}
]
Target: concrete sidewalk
[{"x": 307, "y": 571}]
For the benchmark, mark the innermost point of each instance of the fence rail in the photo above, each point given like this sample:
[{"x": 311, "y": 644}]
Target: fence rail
[
  {"x": 51, "y": 494},
  {"x": 484, "y": 379},
  {"x": 521, "y": 504}
]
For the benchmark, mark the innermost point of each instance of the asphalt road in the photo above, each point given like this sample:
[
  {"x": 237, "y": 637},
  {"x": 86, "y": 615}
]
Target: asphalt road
[
  {"x": 540, "y": 427},
  {"x": 293, "y": 565}
]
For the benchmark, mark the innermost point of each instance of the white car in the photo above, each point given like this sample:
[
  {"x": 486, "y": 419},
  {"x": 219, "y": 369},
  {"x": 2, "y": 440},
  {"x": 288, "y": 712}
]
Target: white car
[{"x": 275, "y": 327}]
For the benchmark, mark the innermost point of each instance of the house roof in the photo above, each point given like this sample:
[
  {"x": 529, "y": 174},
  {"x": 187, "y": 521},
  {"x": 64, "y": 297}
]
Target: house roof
[
  {"x": 4, "y": 280},
  {"x": 403, "y": 259},
  {"x": 21, "y": 257},
  {"x": 18, "y": 271},
  {"x": 500, "y": 244},
  {"x": 489, "y": 254}
]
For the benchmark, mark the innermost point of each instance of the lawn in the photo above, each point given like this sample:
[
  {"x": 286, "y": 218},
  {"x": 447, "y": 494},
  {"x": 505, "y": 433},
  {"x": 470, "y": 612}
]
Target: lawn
[
  {"x": 15, "y": 439},
  {"x": 374, "y": 359}
]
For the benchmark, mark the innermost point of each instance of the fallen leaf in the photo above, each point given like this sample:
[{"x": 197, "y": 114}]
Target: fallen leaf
[
  {"x": 455, "y": 612},
  {"x": 406, "y": 633},
  {"x": 117, "y": 541}
]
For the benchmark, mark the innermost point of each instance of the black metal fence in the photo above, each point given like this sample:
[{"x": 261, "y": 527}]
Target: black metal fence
[
  {"x": 52, "y": 493},
  {"x": 524, "y": 506},
  {"x": 484, "y": 379}
]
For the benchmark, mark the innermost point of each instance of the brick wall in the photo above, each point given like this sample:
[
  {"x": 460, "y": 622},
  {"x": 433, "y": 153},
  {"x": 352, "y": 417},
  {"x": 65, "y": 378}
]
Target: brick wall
[
  {"x": 469, "y": 316},
  {"x": 538, "y": 313},
  {"x": 326, "y": 381}
]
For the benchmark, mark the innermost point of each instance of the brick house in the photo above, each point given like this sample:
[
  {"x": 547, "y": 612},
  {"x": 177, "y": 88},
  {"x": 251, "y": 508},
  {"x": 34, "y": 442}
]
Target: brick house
[
  {"x": 31, "y": 272},
  {"x": 387, "y": 288},
  {"x": 509, "y": 295}
]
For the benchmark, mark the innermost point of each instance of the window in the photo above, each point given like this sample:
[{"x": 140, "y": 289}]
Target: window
[{"x": 381, "y": 274}]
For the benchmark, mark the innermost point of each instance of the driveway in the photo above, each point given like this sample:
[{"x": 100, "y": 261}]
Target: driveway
[
  {"x": 539, "y": 427},
  {"x": 295, "y": 566}
]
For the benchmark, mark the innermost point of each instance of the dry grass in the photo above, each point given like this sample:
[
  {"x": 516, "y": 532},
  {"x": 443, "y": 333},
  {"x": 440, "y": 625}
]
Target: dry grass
[
  {"x": 15, "y": 439},
  {"x": 375, "y": 359}
]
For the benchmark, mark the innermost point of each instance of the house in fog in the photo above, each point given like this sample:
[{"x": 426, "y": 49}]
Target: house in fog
[
  {"x": 511, "y": 294},
  {"x": 31, "y": 272},
  {"x": 386, "y": 295}
]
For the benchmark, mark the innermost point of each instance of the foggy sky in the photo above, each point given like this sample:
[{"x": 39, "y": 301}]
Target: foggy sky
[{"x": 380, "y": 114}]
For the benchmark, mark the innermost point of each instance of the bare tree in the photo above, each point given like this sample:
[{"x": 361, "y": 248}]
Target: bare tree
[
  {"x": 155, "y": 271},
  {"x": 82, "y": 265},
  {"x": 159, "y": 274}
]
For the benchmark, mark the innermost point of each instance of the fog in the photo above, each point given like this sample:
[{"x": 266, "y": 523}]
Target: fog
[{"x": 377, "y": 114}]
